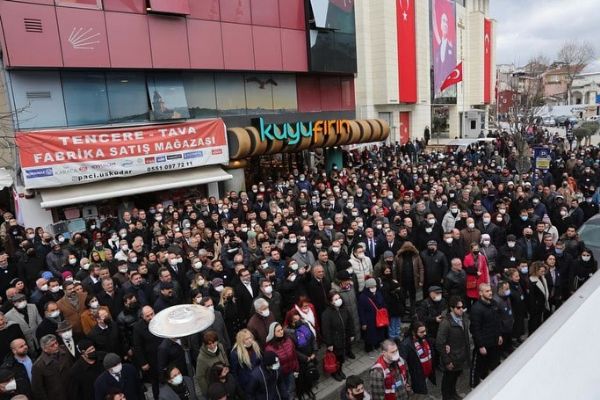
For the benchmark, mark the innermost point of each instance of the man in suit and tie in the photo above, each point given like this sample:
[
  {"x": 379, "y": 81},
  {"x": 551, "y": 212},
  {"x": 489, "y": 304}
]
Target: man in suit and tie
[
  {"x": 389, "y": 243},
  {"x": 371, "y": 250}
]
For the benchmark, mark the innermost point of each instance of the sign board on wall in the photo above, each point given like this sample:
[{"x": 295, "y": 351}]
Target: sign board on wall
[{"x": 70, "y": 157}]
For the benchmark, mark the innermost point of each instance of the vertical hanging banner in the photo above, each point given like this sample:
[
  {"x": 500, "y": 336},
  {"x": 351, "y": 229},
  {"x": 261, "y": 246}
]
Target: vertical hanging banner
[
  {"x": 487, "y": 60},
  {"x": 407, "y": 51},
  {"x": 443, "y": 46}
]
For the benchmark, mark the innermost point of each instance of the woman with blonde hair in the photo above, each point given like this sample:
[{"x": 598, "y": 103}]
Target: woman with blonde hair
[{"x": 244, "y": 356}]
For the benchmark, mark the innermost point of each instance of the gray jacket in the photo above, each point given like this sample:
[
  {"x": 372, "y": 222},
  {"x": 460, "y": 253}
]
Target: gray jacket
[{"x": 28, "y": 328}]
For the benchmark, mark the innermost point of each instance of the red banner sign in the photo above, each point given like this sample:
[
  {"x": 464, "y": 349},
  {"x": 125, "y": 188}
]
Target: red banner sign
[
  {"x": 487, "y": 60},
  {"x": 68, "y": 157},
  {"x": 407, "y": 51}
]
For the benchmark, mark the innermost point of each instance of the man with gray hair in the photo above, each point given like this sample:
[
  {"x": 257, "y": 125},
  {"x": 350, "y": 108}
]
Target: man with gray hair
[
  {"x": 49, "y": 375},
  {"x": 261, "y": 320}
]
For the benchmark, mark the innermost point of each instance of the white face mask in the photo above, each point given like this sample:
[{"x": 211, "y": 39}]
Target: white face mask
[
  {"x": 268, "y": 289},
  {"x": 265, "y": 313},
  {"x": 10, "y": 386},
  {"x": 44, "y": 288},
  {"x": 275, "y": 366},
  {"x": 72, "y": 261},
  {"x": 219, "y": 288},
  {"x": 134, "y": 260},
  {"x": 486, "y": 242},
  {"x": 177, "y": 380},
  {"x": 116, "y": 369},
  {"x": 54, "y": 314},
  {"x": 586, "y": 258},
  {"x": 54, "y": 289},
  {"x": 86, "y": 266},
  {"x": 486, "y": 220},
  {"x": 373, "y": 289},
  {"x": 67, "y": 335},
  {"x": 471, "y": 226},
  {"x": 94, "y": 304},
  {"x": 21, "y": 305},
  {"x": 448, "y": 240},
  {"x": 338, "y": 302},
  {"x": 511, "y": 244}
]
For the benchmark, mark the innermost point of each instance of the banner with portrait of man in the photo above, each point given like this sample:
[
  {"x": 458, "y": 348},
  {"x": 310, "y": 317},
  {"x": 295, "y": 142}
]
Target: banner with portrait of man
[{"x": 443, "y": 44}]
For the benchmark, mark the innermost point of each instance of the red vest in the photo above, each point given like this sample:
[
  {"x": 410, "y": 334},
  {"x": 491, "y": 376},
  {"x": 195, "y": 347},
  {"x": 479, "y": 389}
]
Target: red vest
[
  {"x": 395, "y": 377},
  {"x": 424, "y": 353}
]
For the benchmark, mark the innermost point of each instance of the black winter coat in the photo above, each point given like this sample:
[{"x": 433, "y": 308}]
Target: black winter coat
[
  {"x": 486, "y": 327},
  {"x": 336, "y": 328},
  {"x": 436, "y": 267},
  {"x": 418, "y": 382}
]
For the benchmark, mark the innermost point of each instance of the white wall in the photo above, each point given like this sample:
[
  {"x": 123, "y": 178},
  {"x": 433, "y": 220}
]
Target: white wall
[
  {"x": 559, "y": 361},
  {"x": 30, "y": 211}
]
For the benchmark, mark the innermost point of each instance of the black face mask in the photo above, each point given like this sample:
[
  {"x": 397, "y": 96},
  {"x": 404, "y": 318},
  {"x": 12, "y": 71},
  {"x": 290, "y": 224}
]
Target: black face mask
[
  {"x": 93, "y": 355},
  {"x": 475, "y": 252}
]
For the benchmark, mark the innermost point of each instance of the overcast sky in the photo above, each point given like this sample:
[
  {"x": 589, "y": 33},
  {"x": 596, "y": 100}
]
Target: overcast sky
[{"x": 526, "y": 28}]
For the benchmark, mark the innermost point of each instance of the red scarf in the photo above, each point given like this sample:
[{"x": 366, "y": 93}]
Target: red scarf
[
  {"x": 424, "y": 353},
  {"x": 395, "y": 377}
]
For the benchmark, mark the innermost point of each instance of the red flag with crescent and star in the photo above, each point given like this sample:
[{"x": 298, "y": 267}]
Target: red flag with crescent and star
[
  {"x": 487, "y": 60},
  {"x": 453, "y": 78},
  {"x": 407, "y": 51}
]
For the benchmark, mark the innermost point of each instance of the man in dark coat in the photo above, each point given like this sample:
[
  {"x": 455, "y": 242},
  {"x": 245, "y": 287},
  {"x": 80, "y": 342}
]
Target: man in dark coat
[
  {"x": 16, "y": 362},
  {"x": 170, "y": 351},
  {"x": 453, "y": 345},
  {"x": 435, "y": 265},
  {"x": 486, "y": 330},
  {"x": 49, "y": 375},
  {"x": 85, "y": 371},
  {"x": 118, "y": 376},
  {"x": 245, "y": 293},
  {"x": 144, "y": 348},
  {"x": 417, "y": 351},
  {"x": 317, "y": 288},
  {"x": 106, "y": 335},
  {"x": 431, "y": 310}
]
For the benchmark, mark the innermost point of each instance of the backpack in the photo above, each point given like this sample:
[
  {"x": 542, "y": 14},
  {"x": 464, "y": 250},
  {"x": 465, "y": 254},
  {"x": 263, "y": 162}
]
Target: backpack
[{"x": 303, "y": 336}]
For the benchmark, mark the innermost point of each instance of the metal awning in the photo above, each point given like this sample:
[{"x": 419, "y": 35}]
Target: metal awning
[{"x": 78, "y": 194}]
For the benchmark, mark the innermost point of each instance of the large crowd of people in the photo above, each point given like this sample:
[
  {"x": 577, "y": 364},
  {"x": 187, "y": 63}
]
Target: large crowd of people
[{"x": 300, "y": 271}]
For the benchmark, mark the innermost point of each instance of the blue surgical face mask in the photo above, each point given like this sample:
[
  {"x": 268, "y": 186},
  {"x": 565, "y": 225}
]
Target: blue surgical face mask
[
  {"x": 524, "y": 217},
  {"x": 559, "y": 251}
]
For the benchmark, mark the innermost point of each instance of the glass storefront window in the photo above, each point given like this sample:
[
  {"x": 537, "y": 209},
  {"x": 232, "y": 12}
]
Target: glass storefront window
[
  {"x": 259, "y": 93},
  {"x": 285, "y": 97},
  {"x": 127, "y": 97},
  {"x": 167, "y": 97},
  {"x": 200, "y": 94},
  {"x": 231, "y": 97},
  {"x": 86, "y": 99}
]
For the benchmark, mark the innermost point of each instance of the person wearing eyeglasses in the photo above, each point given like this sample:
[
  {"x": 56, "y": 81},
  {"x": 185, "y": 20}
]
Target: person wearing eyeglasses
[{"x": 453, "y": 344}]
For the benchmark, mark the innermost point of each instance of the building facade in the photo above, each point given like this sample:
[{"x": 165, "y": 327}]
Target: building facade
[
  {"x": 400, "y": 66},
  {"x": 121, "y": 101}
]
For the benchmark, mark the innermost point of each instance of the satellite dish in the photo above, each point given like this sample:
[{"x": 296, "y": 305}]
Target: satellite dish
[{"x": 181, "y": 320}]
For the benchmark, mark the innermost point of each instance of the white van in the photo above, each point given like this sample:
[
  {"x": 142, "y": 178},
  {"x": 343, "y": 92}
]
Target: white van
[{"x": 593, "y": 118}]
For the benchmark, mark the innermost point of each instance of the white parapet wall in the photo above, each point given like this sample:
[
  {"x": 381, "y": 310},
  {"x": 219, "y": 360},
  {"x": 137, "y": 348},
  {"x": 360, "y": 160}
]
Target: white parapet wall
[{"x": 559, "y": 361}]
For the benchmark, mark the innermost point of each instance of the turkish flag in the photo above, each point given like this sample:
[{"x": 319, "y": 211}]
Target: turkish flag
[
  {"x": 407, "y": 51},
  {"x": 487, "y": 60},
  {"x": 453, "y": 78}
]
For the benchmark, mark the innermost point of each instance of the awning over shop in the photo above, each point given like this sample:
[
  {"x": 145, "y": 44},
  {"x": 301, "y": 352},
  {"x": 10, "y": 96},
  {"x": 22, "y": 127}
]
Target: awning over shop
[
  {"x": 129, "y": 186},
  {"x": 6, "y": 179}
]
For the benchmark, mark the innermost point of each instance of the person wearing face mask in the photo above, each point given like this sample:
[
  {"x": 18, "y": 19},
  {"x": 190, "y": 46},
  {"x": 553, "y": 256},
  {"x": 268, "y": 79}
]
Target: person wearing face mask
[
  {"x": 388, "y": 377},
  {"x": 538, "y": 304},
  {"x": 27, "y": 317},
  {"x": 583, "y": 269},
  {"x": 509, "y": 254},
  {"x": 369, "y": 302},
  {"x": 210, "y": 353},
  {"x": 451, "y": 217},
  {"x": 391, "y": 291},
  {"x": 285, "y": 349},
  {"x": 8, "y": 385},
  {"x": 49, "y": 374},
  {"x": 431, "y": 311},
  {"x": 217, "y": 326},
  {"x": 435, "y": 265},
  {"x": 361, "y": 265},
  {"x": 506, "y": 315},
  {"x": 106, "y": 335},
  {"x": 476, "y": 267},
  {"x": 118, "y": 376},
  {"x": 261, "y": 320},
  {"x": 303, "y": 256},
  {"x": 266, "y": 380},
  {"x": 85, "y": 371},
  {"x": 354, "y": 389},
  {"x": 337, "y": 330}
]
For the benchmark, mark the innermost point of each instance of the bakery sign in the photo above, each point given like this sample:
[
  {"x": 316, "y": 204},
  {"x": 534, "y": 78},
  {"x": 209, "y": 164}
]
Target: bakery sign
[{"x": 69, "y": 157}]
